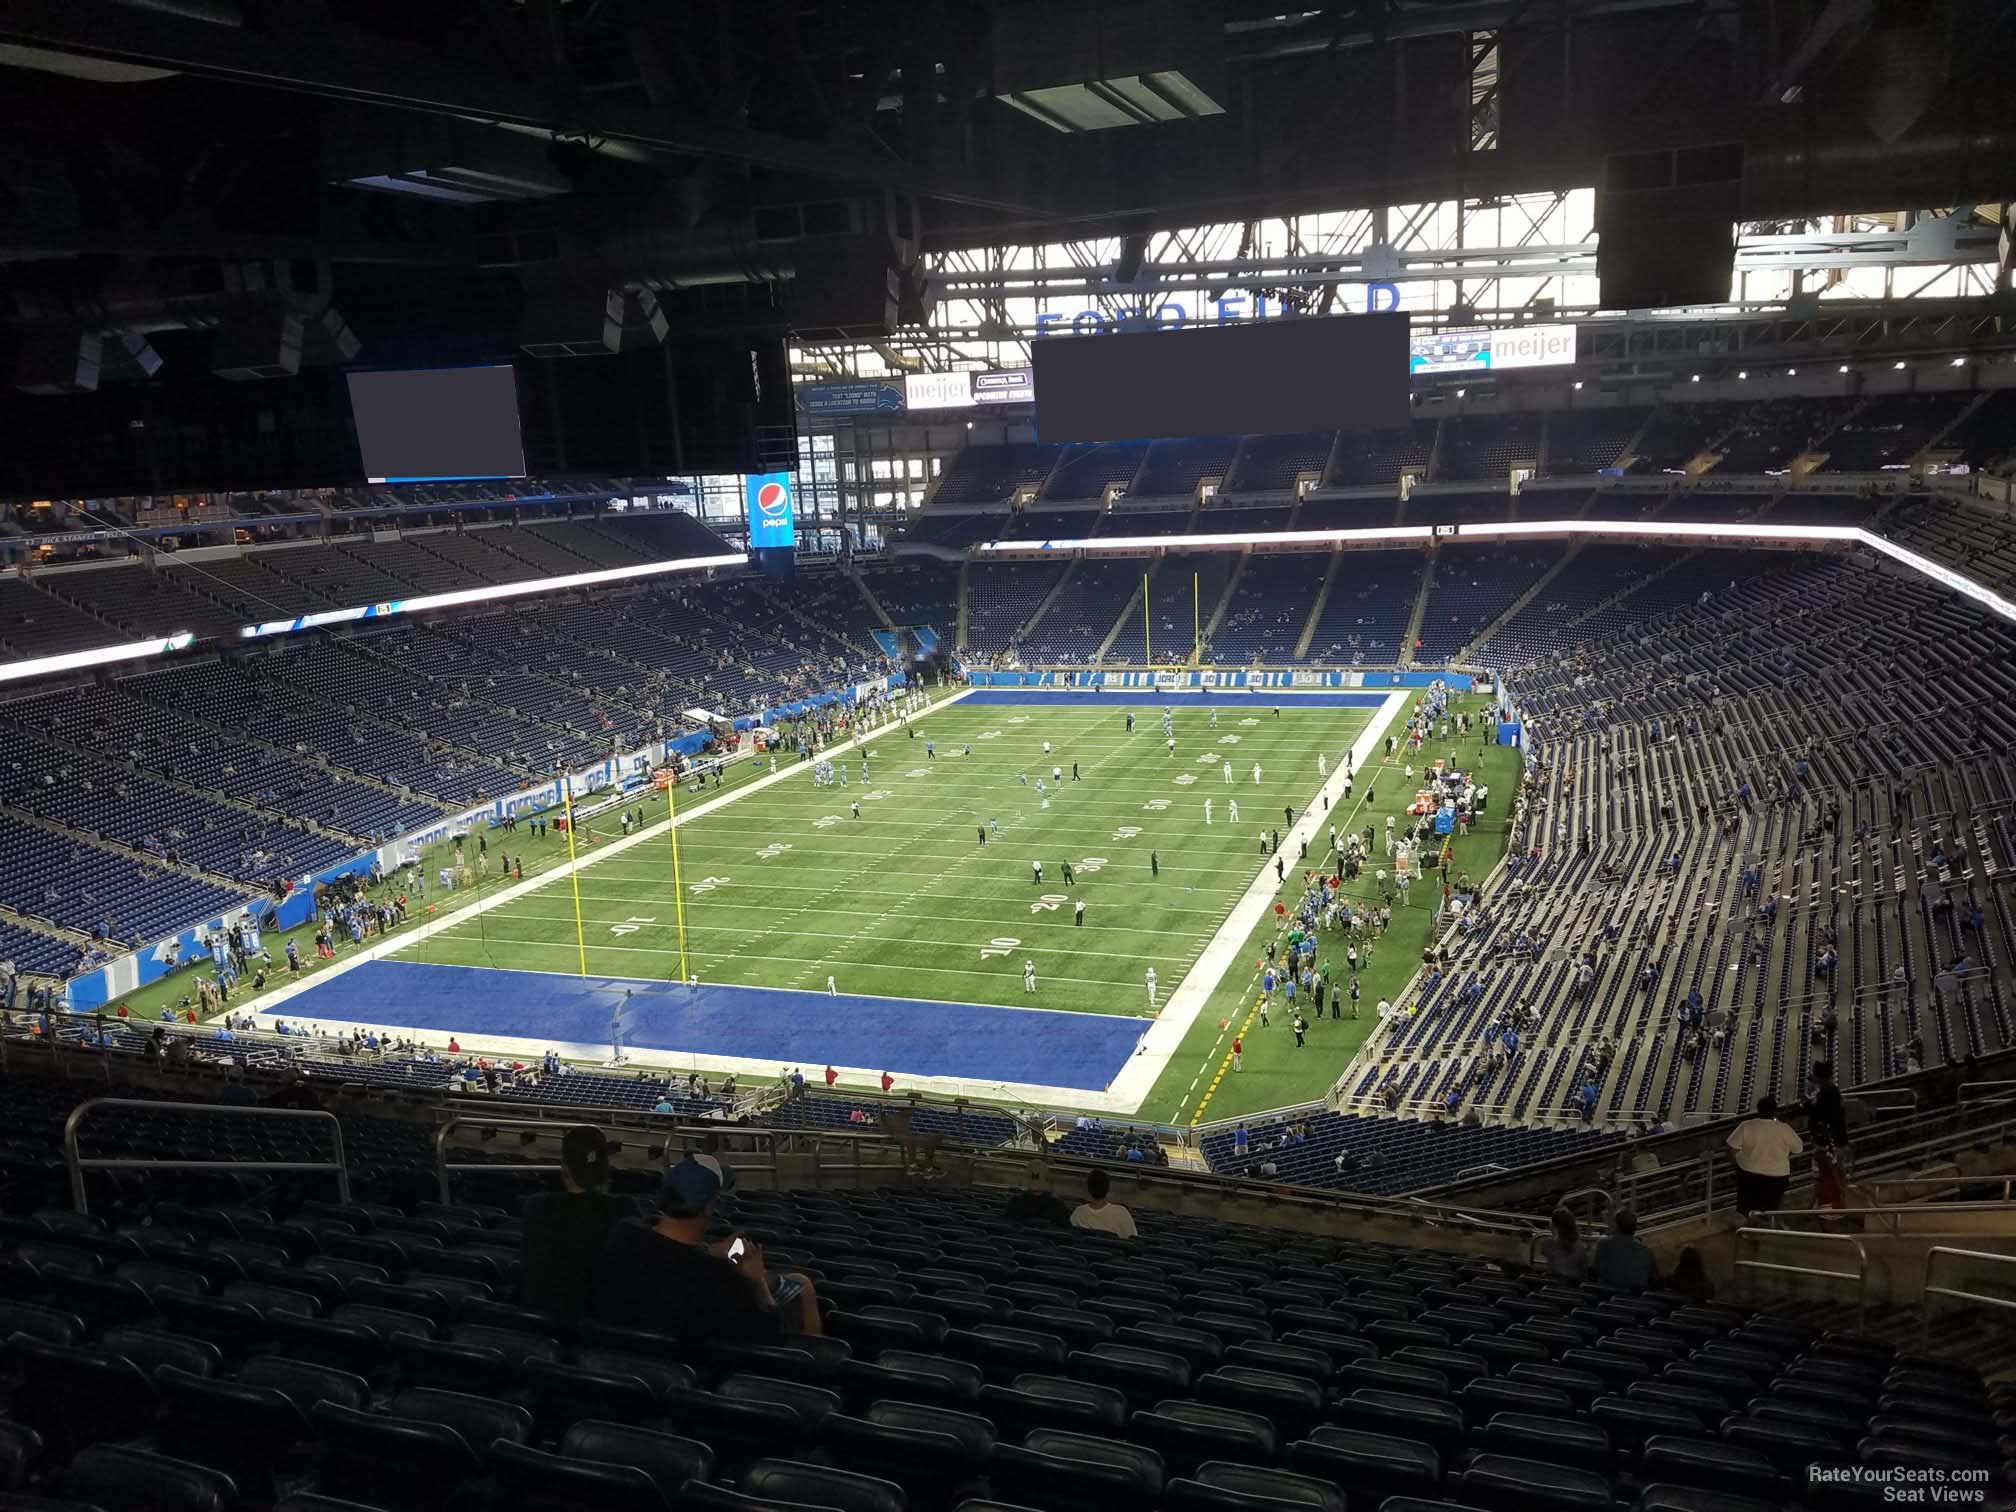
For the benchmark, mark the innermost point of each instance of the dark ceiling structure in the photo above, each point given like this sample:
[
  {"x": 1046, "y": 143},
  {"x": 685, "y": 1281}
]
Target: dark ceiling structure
[{"x": 209, "y": 207}]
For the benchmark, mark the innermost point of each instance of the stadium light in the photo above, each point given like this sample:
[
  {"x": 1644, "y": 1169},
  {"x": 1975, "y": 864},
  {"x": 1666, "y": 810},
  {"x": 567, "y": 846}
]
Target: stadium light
[
  {"x": 1578, "y": 384},
  {"x": 1744, "y": 374},
  {"x": 1222, "y": 538},
  {"x": 1791, "y": 372},
  {"x": 1959, "y": 362},
  {"x": 484, "y": 595},
  {"x": 1844, "y": 367},
  {"x": 1763, "y": 533},
  {"x": 97, "y": 656},
  {"x": 1695, "y": 379},
  {"x": 1898, "y": 366}
]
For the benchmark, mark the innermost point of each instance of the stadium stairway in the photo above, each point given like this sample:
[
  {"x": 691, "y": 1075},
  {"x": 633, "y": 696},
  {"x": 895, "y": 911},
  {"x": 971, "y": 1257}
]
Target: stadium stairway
[
  {"x": 1482, "y": 638},
  {"x": 1128, "y": 611},
  {"x": 1412, "y": 633},
  {"x": 1316, "y": 606},
  {"x": 868, "y": 597}
]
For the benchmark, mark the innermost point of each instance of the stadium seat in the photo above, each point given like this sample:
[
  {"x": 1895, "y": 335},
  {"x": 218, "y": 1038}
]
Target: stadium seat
[
  {"x": 669, "y": 1461},
  {"x": 532, "y": 1480},
  {"x": 925, "y": 1451},
  {"x": 138, "y": 1481},
  {"x": 1368, "y": 1465},
  {"x": 1188, "y": 1434},
  {"x": 249, "y": 1433},
  {"x": 561, "y": 1395},
  {"x": 1425, "y": 1420},
  {"x": 80, "y": 1394},
  {"x": 400, "y": 1464},
  {"x": 1503, "y": 1483},
  {"x": 51, "y": 1325},
  {"x": 1222, "y": 1487},
  {"x": 20, "y": 1448},
  {"x": 1557, "y": 1440},
  {"x": 1711, "y": 1466},
  {"x": 1480, "y": 1399},
  {"x": 1053, "y": 1483}
]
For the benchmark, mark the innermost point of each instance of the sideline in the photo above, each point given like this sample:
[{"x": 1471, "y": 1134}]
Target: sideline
[
  {"x": 1227, "y": 948},
  {"x": 389, "y": 948}
]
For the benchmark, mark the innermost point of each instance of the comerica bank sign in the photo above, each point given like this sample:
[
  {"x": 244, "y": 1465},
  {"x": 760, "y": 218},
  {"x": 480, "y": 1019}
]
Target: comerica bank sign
[{"x": 1173, "y": 315}]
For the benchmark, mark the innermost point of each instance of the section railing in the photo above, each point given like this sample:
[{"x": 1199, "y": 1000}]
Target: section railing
[
  {"x": 1942, "y": 1260},
  {"x": 1760, "y": 1242},
  {"x": 77, "y": 1163}
]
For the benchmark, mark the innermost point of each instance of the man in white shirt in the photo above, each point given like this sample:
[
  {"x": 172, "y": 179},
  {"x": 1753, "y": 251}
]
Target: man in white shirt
[
  {"x": 1763, "y": 1148},
  {"x": 1097, "y": 1213}
]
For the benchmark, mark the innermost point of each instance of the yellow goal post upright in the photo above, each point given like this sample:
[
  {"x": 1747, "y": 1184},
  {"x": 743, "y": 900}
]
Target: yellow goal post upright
[
  {"x": 678, "y": 887},
  {"x": 574, "y": 868}
]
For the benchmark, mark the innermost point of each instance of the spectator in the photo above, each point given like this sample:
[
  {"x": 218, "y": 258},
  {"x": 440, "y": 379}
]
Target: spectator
[
  {"x": 1762, "y": 1148},
  {"x": 1098, "y": 1213},
  {"x": 565, "y": 1230},
  {"x": 1562, "y": 1247},
  {"x": 1690, "y": 1277},
  {"x": 1622, "y": 1259},
  {"x": 1826, "y": 1115},
  {"x": 1035, "y": 1203},
  {"x": 664, "y": 1276}
]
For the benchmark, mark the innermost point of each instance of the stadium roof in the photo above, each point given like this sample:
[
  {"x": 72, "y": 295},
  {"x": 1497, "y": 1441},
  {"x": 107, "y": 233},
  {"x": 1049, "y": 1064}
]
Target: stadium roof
[{"x": 208, "y": 193}]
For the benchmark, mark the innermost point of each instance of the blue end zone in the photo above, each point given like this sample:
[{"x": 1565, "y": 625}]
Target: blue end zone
[
  {"x": 1245, "y": 701},
  {"x": 970, "y": 1041}
]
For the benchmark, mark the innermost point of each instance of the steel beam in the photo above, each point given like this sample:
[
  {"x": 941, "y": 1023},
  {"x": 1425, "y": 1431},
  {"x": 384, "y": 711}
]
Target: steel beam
[{"x": 338, "y": 64}]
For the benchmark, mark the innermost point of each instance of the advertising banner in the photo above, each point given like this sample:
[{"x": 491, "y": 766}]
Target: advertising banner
[{"x": 769, "y": 498}]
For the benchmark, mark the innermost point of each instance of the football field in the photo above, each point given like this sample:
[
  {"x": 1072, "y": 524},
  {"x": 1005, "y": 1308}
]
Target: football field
[
  {"x": 871, "y": 926},
  {"x": 887, "y": 887}
]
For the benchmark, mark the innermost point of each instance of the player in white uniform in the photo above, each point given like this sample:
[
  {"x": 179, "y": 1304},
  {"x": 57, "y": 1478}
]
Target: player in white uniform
[
  {"x": 1322, "y": 765},
  {"x": 1207, "y": 810},
  {"x": 1028, "y": 976},
  {"x": 1256, "y": 774},
  {"x": 1151, "y": 989},
  {"x": 1235, "y": 810},
  {"x": 1228, "y": 774}
]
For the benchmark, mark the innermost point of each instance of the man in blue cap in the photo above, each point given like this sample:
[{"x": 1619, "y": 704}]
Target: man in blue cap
[{"x": 663, "y": 1275}]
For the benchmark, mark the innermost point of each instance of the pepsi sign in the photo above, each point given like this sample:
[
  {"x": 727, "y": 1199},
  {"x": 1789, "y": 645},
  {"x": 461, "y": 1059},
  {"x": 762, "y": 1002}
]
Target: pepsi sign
[{"x": 768, "y": 496}]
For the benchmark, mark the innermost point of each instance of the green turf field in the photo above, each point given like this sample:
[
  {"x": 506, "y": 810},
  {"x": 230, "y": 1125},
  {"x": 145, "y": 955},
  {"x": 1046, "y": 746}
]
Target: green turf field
[
  {"x": 786, "y": 887},
  {"x": 1200, "y": 1085}
]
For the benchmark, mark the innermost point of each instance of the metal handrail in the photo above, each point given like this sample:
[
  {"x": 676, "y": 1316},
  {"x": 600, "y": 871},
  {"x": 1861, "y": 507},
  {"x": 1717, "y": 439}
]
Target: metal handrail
[
  {"x": 1887, "y": 1215},
  {"x": 686, "y": 1134},
  {"x": 2006, "y": 1183},
  {"x": 77, "y": 1163},
  {"x": 1860, "y": 1275},
  {"x": 1609, "y": 1203},
  {"x": 442, "y": 1168},
  {"x": 1958, "y": 1294}
]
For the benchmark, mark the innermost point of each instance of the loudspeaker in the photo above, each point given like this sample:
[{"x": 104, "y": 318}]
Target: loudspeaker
[
  {"x": 1666, "y": 226},
  {"x": 58, "y": 360}
]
